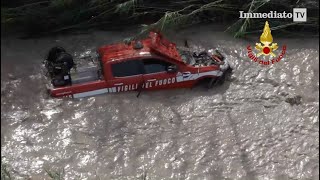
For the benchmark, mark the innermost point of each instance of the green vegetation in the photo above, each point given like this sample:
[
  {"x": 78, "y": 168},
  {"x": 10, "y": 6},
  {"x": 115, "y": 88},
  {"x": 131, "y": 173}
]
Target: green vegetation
[
  {"x": 38, "y": 17},
  {"x": 5, "y": 174},
  {"x": 55, "y": 174}
]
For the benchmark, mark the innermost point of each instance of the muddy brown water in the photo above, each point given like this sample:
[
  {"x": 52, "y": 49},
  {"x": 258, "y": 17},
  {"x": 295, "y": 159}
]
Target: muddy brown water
[{"x": 261, "y": 124}]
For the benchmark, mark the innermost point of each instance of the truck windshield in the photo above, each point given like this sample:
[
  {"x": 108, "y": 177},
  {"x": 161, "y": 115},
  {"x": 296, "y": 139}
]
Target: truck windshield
[
  {"x": 186, "y": 56},
  {"x": 155, "y": 65},
  {"x": 127, "y": 68}
]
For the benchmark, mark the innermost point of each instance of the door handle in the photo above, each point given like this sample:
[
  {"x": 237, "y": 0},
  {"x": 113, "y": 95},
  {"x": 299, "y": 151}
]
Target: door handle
[
  {"x": 150, "y": 80},
  {"x": 118, "y": 84},
  {"x": 186, "y": 74}
]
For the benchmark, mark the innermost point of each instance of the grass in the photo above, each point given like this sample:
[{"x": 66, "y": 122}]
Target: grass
[
  {"x": 53, "y": 174},
  {"x": 5, "y": 172},
  {"x": 40, "y": 17}
]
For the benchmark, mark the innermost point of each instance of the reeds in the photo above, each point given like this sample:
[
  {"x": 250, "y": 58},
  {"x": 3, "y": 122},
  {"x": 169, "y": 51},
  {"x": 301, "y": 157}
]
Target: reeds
[
  {"x": 5, "y": 172},
  {"x": 55, "y": 174},
  {"x": 46, "y": 17},
  {"x": 39, "y": 17}
]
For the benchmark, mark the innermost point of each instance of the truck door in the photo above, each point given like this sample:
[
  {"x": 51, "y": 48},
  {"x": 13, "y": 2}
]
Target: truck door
[
  {"x": 159, "y": 74},
  {"x": 126, "y": 76}
]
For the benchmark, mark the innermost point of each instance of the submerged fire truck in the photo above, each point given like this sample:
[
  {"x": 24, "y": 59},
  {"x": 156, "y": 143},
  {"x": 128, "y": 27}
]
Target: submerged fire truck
[{"x": 152, "y": 63}]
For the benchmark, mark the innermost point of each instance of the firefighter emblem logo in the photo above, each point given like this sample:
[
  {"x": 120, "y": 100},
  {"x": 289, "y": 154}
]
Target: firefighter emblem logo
[{"x": 267, "y": 48}]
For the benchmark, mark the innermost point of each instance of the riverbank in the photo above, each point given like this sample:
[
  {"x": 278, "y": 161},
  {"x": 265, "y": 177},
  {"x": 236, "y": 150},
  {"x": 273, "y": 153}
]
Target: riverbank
[{"x": 38, "y": 18}]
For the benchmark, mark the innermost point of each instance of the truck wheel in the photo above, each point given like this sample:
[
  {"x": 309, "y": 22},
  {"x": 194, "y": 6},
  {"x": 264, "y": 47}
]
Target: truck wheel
[
  {"x": 216, "y": 82},
  {"x": 212, "y": 82}
]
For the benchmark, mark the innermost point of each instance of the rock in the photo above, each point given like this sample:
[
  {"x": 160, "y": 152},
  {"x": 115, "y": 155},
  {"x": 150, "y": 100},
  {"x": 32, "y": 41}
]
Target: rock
[{"x": 294, "y": 100}]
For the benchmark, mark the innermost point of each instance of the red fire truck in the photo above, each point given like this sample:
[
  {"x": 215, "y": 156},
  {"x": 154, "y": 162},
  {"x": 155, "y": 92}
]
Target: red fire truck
[{"x": 152, "y": 63}]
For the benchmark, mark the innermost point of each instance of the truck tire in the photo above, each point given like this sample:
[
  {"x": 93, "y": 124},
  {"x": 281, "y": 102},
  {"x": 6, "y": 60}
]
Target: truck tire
[
  {"x": 211, "y": 83},
  {"x": 216, "y": 81}
]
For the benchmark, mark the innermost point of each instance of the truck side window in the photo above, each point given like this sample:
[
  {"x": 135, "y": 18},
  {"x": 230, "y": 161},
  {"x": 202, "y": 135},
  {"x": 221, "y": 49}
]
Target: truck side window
[
  {"x": 127, "y": 68},
  {"x": 155, "y": 65}
]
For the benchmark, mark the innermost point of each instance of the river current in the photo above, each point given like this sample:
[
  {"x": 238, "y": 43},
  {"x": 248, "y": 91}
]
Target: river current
[{"x": 262, "y": 123}]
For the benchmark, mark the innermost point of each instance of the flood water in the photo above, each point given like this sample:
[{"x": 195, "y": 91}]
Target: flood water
[{"x": 262, "y": 124}]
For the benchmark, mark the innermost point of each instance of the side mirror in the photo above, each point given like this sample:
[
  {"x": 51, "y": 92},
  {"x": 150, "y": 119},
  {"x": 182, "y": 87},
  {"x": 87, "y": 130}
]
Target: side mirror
[
  {"x": 186, "y": 44},
  {"x": 172, "y": 68}
]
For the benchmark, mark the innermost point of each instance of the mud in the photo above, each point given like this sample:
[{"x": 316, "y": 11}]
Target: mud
[{"x": 263, "y": 123}]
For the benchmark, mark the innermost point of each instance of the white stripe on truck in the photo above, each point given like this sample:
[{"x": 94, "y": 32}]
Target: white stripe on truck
[
  {"x": 179, "y": 78},
  {"x": 91, "y": 93}
]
